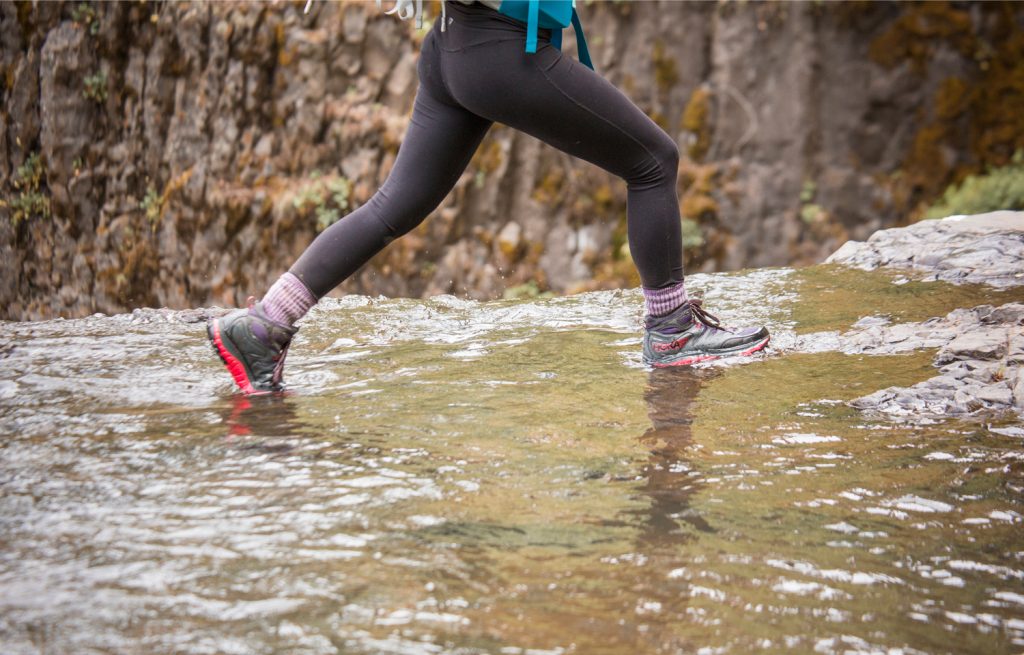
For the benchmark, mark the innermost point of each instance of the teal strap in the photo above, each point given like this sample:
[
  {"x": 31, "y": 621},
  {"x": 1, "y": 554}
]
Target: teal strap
[
  {"x": 532, "y": 18},
  {"x": 581, "y": 41},
  {"x": 532, "y": 21}
]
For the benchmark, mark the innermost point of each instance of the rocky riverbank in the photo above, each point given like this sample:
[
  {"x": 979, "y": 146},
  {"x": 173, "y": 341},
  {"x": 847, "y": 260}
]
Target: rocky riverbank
[
  {"x": 980, "y": 357},
  {"x": 984, "y": 249}
]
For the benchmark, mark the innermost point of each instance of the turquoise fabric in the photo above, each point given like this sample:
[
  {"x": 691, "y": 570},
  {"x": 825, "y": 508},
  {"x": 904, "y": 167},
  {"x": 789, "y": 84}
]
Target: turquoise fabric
[{"x": 554, "y": 15}]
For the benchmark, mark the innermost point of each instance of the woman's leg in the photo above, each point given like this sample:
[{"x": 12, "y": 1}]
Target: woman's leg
[
  {"x": 440, "y": 140},
  {"x": 565, "y": 104},
  {"x": 439, "y": 143},
  {"x": 569, "y": 106},
  {"x": 436, "y": 150}
]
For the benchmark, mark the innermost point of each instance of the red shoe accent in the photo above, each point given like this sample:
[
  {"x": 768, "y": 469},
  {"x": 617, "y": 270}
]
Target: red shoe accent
[
  {"x": 705, "y": 358},
  {"x": 759, "y": 346},
  {"x": 687, "y": 362},
  {"x": 235, "y": 367},
  {"x": 666, "y": 347}
]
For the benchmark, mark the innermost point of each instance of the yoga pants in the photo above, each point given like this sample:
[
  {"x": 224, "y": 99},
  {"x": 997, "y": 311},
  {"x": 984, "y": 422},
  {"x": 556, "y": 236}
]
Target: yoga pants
[{"x": 476, "y": 73}]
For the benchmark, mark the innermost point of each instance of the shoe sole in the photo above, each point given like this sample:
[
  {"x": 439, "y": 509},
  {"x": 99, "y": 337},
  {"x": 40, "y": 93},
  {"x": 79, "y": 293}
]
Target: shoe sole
[
  {"x": 234, "y": 365},
  {"x": 687, "y": 361}
]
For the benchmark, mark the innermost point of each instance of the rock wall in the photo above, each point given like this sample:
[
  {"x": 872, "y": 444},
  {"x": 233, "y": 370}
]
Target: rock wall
[{"x": 182, "y": 154}]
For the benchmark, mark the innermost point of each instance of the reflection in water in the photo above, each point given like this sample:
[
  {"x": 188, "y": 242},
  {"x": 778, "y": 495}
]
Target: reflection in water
[
  {"x": 669, "y": 480},
  {"x": 270, "y": 417}
]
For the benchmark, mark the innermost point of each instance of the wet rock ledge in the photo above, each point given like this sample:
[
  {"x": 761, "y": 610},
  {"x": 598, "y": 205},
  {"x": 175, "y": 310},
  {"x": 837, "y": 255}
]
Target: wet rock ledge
[
  {"x": 981, "y": 349},
  {"x": 984, "y": 249}
]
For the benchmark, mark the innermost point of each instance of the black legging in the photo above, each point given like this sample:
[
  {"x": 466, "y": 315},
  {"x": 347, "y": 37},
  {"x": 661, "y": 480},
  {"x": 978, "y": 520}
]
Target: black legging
[{"x": 476, "y": 73}]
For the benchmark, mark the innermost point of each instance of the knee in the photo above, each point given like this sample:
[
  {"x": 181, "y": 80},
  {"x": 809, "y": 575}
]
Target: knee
[
  {"x": 401, "y": 213},
  {"x": 661, "y": 163},
  {"x": 666, "y": 156}
]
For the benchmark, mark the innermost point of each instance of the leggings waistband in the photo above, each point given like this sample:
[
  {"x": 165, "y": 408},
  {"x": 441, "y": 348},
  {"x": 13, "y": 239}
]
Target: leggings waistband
[{"x": 479, "y": 16}]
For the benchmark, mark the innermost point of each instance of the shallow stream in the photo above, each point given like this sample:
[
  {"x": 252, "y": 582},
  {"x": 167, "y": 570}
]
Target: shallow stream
[{"x": 446, "y": 476}]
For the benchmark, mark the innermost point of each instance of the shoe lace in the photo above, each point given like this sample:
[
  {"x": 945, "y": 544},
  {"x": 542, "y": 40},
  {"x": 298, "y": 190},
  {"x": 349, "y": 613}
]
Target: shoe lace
[
  {"x": 278, "y": 373},
  {"x": 700, "y": 314}
]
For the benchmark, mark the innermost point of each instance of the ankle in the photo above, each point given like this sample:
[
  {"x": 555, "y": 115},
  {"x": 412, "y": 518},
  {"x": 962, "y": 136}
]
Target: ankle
[
  {"x": 288, "y": 300},
  {"x": 661, "y": 302}
]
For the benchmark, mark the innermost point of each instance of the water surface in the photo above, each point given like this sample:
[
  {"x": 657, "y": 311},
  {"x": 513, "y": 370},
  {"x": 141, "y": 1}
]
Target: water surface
[{"x": 448, "y": 476}]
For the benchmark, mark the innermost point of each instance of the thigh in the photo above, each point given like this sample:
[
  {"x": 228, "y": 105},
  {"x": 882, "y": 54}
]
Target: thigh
[
  {"x": 437, "y": 147},
  {"x": 555, "y": 98}
]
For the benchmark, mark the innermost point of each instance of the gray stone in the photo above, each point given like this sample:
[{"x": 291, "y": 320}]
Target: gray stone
[
  {"x": 1015, "y": 350},
  {"x": 981, "y": 352},
  {"x": 983, "y": 312},
  {"x": 945, "y": 382},
  {"x": 871, "y": 321},
  {"x": 67, "y": 114},
  {"x": 965, "y": 402},
  {"x": 986, "y": 248},
  {"x": 956, "y": 370},
  {"x": 971, "y": 388},
  {"x": 985, "y": 345},
  {"x": 929, "y": 393},
  {"x": 999, "y": 394},
  {"x": 1010, "y": 313},
  {"x": 1018, "y": 389},
  {"x": 873, "y": 400},
  {"x": 909, "y": 401}
]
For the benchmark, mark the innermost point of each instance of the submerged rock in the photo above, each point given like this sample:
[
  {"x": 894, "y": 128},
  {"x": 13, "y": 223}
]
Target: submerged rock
[
  {"x": 981, "y": 350},
  {"x": 976, "y": 370}
]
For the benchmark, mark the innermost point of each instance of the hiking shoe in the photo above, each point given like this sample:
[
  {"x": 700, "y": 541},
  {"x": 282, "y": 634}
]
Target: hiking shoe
[
  {"x": 689, "y": 335},
  {"x": 253, "y": 347}
]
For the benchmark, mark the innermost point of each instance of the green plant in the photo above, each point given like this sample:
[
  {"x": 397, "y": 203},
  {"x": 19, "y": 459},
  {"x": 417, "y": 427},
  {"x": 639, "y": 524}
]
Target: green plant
[
  {"x": 328, "y": 196},
  {"x": 809, "y": 211},
  {"x": 999, "y": 188},
  {"x": 307, "y": 195},
  {"x": 96, "y": 87},
  {"x": 808, "y": 191},
  {"x": 152, "y": 203},
  {"x": 340, "y": 189},
  {"x": 692, "y": 235},
  {"x": 85, "y": 16},
  {"x": 29, "y": 200},
  {"x": 326, "y": 217}
]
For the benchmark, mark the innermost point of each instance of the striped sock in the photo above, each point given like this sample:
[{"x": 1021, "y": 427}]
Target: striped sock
[
  {"x": 664, "y": 301},
  {"x": 288, "y": 300}
]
